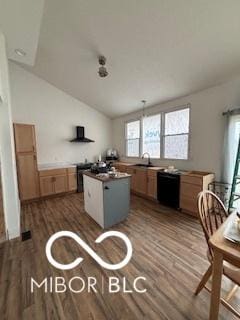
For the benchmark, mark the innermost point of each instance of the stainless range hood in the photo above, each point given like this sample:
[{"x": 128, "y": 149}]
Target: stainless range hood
[{"x": 81, "y": 135}]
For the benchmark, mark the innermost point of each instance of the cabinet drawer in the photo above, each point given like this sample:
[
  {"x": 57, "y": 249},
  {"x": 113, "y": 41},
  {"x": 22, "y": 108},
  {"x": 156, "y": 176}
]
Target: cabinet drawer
[
  {"x": 192, "y": 180},
  {"x": 152, "y": 173},
  {"x": 52, "y": 172},
  {"x": 190, "y": 190},
  {"x": 71, "y": 170}
]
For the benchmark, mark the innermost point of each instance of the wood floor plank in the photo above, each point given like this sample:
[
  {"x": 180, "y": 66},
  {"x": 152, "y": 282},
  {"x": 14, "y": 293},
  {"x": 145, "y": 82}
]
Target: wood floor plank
[{"x": 168, "y": 249}]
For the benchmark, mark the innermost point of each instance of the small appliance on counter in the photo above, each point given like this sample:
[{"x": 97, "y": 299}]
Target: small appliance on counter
[
  {"x": 99, "y": 167},
  {"x": 111, "y": 154}
]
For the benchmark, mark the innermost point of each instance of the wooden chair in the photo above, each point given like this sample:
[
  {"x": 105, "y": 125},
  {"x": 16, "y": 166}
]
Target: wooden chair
[{"x": 212, "y": 213}]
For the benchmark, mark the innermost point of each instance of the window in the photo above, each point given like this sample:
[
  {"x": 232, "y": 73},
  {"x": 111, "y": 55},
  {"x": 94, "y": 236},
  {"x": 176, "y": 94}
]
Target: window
[
  {"x": 176, "y": 134},
  {"x": 133, "y": 138},
  {"x": 151, "y": 135},
  {"x": 164, "y": 135}
]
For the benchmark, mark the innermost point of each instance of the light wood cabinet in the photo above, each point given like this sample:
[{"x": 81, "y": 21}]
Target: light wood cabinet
[
  {"x": 141, "y": 181},
  {"x": 138, "y": 179},
  {"x": 152, "y": 184},
  {"x": 190, "y": 185},
  {"x": 72, "y": 179},
  {"x": 26, "y": 158},
  {"x": 72, "y": 182},
  {"x": 132, "y": 172},
  {"x": 27, "y": 176},
  {"x": 47, "y": 186},
  {"x": 60, "y": 184},
  {"x": 25, "y": 140},
  {"x": 53, "y": 184}
]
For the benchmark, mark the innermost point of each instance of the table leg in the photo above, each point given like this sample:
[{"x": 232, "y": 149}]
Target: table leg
[{"x": 216, "y": 285}]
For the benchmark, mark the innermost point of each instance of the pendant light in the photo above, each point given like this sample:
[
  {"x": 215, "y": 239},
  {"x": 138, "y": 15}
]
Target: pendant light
[{"x": 143, "y": 108}]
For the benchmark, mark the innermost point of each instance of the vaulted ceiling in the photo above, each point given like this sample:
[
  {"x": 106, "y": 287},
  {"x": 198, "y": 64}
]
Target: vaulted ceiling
[
  {"x": 20, "y": 22},
  {"x": 156, "y": 49}
]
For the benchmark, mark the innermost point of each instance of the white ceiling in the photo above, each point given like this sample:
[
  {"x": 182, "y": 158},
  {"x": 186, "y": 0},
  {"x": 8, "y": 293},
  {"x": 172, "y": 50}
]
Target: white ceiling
[
  {"x": 156, "y": 49},
  {"x": 20, "y": 22}
]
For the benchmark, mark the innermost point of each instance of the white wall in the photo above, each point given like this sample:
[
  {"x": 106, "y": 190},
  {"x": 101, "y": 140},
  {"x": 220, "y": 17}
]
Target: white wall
[
  {"x": 55, "y": 115},
  {"x": 7, "y": 155},
  {"x": 207, "y": 126}
]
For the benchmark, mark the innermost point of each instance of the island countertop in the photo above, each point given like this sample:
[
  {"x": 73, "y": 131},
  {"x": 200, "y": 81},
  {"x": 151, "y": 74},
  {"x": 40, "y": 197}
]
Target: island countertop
[{"x": 106, "y": 179}]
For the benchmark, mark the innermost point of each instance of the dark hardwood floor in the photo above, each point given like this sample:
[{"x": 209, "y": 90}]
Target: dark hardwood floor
[{"x": 168, "y": 249}]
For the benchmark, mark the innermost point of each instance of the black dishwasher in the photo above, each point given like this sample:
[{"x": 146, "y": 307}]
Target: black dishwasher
[{"x": 168, "y": 188}]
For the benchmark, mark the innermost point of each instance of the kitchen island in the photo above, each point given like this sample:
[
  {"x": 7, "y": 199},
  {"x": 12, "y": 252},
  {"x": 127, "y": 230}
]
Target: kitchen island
[{"x": 106, "y": 199}]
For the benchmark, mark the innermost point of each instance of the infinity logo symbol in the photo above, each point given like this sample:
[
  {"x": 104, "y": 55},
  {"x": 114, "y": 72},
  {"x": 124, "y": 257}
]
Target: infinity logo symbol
[{"x": 89, "y": 250}]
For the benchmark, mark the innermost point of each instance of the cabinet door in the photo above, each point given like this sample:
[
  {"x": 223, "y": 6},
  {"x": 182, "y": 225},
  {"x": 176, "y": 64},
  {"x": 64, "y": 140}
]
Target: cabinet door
[
  {"x": 152, "y": 186},
  {"x": 60, "y": 184},
  {"x": 93, "y": 199},
  {"x": 72, "y": 181},
  {"x": 116, "y": 199},
  {"x": 134, "y": 181},
  {"x": 47, "y": 186},
  {"x": 27, "y": 176},
  {"x": 188, "y": 197},
  {"x": 132, "y": 172},
  {"x": 25, "y": 140},
  {"x": 140, "y": 183}
]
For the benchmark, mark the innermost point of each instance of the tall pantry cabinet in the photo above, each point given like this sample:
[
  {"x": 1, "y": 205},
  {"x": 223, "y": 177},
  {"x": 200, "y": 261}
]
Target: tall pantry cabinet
[{"x": 26, "y": 157}]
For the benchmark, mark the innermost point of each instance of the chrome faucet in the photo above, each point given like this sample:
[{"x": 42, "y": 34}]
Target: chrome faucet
[{"x": 149, "y": 159}]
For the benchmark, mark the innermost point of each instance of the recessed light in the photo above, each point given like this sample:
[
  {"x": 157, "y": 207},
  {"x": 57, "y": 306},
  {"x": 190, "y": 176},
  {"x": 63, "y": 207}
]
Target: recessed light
[{"x": 20, "y": 52}]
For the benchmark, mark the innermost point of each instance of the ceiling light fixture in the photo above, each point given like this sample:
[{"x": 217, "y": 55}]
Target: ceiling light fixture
[
  {"x": 20, "y": 52},
  {"x": 102, "y": 71}
]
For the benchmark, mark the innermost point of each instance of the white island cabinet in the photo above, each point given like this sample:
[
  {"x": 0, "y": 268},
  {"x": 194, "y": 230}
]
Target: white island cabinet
[{"x": 106, "y": 200}]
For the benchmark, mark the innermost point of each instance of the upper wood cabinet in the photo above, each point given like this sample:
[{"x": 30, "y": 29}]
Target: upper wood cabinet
[
  {"x": 25, "y": 140},
  {"x": 26, "y": 158}
]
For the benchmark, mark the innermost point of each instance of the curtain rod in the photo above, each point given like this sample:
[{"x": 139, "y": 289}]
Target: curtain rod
[{"x": 231, "y": 112}]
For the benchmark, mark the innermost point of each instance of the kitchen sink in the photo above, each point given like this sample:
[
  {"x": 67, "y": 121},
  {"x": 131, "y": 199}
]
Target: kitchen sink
[{"x": 144, "y": 165}]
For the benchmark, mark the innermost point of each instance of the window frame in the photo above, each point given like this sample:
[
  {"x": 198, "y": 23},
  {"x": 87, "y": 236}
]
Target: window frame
[
  {"x": 140, "y": 137},
  {"x": 162, "y": 135}
]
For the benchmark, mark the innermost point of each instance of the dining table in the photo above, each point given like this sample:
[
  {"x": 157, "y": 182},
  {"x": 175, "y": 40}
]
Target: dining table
[{"x": 223, "y": 250}]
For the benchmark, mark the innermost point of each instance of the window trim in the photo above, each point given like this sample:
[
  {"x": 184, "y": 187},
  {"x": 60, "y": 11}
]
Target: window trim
[
  {"x": 162, "y": 116},
  {"x": 125, "y": 138}
]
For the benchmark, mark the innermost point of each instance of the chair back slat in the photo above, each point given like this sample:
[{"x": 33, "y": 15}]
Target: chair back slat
[{"x": 211, "y": 212}]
